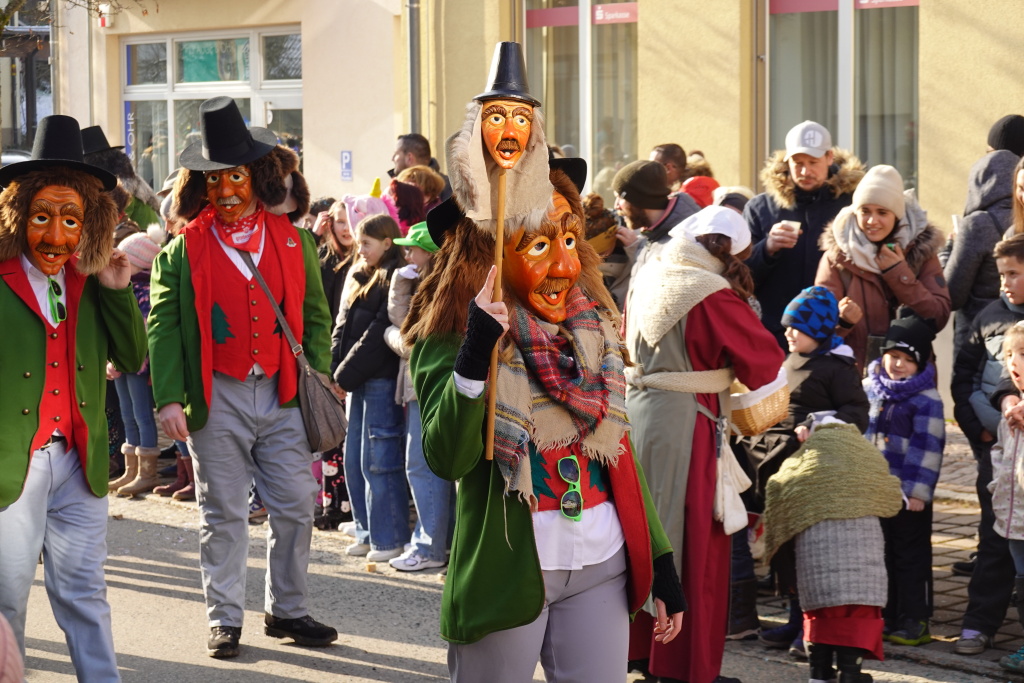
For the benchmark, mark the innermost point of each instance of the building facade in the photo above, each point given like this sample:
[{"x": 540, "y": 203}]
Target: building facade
[{"x": 912, "y": 83}]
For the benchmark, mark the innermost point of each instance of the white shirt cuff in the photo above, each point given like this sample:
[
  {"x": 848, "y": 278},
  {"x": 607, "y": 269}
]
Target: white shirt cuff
[{"x": 470, "y": 388}]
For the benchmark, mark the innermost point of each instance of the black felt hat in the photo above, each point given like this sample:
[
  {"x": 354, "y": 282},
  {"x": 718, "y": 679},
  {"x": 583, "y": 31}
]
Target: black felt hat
[
  {"x": 58, "y": 143},
  {"x": 94, "y": 140},
  {"x": 507, "y": 80},
  {"x": 226, "y": 142},
  {"x": 574, "y": 167}
]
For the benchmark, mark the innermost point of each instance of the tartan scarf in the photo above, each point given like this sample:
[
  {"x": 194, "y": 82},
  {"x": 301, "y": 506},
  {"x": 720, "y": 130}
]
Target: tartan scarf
[
  {"x": 244, "y": 233},
  {"x": 564, "y": 384}
]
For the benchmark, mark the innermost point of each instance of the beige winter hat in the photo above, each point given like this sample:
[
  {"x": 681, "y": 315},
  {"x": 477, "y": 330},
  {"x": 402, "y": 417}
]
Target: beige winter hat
[{"x": 881, "y": 185}]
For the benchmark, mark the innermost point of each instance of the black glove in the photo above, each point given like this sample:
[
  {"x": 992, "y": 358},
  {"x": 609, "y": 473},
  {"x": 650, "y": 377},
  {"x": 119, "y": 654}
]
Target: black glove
[
  {"x": 482, "y": 333},
  {"x": 667, "y": 586}
]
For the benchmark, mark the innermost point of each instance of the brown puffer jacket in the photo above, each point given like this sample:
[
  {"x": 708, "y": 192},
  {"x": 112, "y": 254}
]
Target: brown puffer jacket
[{"x": 917, "y": 283}]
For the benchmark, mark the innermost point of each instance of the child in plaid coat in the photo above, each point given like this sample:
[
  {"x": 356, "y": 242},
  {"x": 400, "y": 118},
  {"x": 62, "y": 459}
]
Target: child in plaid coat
[{"x": 907, "y": 426}]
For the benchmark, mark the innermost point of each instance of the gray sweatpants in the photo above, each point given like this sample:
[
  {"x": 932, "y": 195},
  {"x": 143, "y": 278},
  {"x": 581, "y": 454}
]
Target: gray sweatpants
[
  {"x": 581, "y": 635},
  {"x": 249, "y": 435}
]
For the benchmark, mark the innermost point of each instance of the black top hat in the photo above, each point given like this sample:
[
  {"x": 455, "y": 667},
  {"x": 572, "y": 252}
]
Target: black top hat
[
  {"x": 226, "y": 142},
  {"x": 507, "y": 80},
  {"x": 58, "y": 143},
  {"x": 93, "y": 140},
  {"x": 446, "y": 215}
]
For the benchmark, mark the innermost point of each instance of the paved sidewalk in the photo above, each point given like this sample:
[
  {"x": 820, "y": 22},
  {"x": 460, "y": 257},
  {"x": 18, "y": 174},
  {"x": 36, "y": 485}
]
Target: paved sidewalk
[{"x": 954, "y": 537}]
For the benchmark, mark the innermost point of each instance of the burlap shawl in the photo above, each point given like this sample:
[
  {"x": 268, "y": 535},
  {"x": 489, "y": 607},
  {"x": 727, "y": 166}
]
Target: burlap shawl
[
  {"x": 526, "y": 412},
  {"x": 836, "y": 474}
]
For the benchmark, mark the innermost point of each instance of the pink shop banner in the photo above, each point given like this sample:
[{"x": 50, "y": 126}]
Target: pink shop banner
[
  {"x": 612, "y": 13},
  {"x": 796, "y": 6}
]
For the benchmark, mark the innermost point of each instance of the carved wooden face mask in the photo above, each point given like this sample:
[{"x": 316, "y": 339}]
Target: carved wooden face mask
[
  {"x": 541, "y": 267},
  {"x": 230, "y": 192},
  {"x": 505, "y": 128},
  {"x": 54, "y": 227}
]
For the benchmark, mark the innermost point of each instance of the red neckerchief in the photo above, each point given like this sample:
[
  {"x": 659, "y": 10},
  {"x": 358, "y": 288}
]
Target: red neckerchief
[{"x": 244, "y": 233}]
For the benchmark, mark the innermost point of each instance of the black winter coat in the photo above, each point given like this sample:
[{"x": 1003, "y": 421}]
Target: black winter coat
[
  {"x": 358, "y": 350},
  {"x": 779, "y": 278},
  {"x": 816, "y": 383}
]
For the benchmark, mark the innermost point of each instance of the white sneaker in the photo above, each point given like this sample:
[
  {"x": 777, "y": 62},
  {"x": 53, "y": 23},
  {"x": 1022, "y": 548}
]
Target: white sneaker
[
  {"x": 382, "y": 555},
  {"x": 412, "y": 562},
  {"x": 357, "y": 549},
  {"x": 348, "y": 528}
]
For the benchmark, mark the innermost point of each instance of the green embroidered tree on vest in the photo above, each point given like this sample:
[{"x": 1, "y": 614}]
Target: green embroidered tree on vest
[
  {"x": 539, "y": 474},
  {"x": 277, "y": 325},
  {"x": 596, "y": 473},
  {"x": 221, "y": 328}
]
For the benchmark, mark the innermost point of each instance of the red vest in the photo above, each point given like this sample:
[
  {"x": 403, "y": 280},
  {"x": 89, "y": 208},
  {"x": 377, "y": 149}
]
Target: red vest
[
  {"x": 549, "y": 486},
  {"x": 245, "y": 329},
  {"x": 55, "y": 406}
]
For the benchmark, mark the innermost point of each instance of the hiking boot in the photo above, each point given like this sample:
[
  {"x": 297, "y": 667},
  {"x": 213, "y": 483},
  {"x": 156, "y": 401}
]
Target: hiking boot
[
  {"x": 912, "y": 633},
  {"x": 303, "y": 630},
  {"x": 780, "y": 637},
  {"x": 223, "y": 641}
]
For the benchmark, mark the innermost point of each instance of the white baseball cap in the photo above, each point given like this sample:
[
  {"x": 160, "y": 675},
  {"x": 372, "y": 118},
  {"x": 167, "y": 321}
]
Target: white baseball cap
[
  {"x": 719, "y": 220},
  {"x": 808, "y": 138}
]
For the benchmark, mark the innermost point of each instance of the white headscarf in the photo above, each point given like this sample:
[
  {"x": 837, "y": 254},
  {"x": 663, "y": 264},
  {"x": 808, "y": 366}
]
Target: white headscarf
[{"x": 716, "y": 220}]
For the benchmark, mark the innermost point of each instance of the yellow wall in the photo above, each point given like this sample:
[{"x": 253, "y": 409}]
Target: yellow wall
[
  {"x": 694, "y": 82},
  {"x": 971, "y": 75}
]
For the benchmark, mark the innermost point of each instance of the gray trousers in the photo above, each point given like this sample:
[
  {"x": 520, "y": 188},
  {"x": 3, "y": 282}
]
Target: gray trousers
[
  {"x": 250, "y": 436},
  {"x": 58, "y": 515},
  {"x": 581, "y": 635}
]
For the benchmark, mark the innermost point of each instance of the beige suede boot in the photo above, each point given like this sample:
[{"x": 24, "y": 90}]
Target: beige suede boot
[
  {"x": 131, "y": 468},
  {"x": 147, "y": 476}
]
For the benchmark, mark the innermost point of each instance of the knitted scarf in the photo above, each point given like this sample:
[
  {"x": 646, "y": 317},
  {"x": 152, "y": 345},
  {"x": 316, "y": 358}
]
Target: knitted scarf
[
  {"x": 836, "y": 474},
  {"x": 852, "y": 241},
  {"x": 900, "y": 390},
  {"x": 564, "y": 384}
]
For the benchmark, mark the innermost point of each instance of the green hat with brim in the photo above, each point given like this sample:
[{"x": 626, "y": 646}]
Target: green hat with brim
[{"x": 418, "y": 236}]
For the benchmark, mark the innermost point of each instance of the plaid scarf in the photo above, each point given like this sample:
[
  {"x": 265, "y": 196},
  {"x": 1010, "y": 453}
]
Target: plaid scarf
[
  {"x": 244, "y": 233},
  {"x": 563, "y": 385}
]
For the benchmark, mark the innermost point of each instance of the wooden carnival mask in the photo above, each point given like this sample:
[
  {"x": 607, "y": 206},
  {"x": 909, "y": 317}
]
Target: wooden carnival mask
[
  {"x": 542, "y": 266},
  {"x": 54, "y": 228},
  {"x": 230, "y": 192},
  {"x": 505, "y": 128}
]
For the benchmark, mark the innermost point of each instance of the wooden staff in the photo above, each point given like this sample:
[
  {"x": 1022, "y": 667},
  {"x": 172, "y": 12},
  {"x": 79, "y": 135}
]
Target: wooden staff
[{"x": 499, "y": 252}]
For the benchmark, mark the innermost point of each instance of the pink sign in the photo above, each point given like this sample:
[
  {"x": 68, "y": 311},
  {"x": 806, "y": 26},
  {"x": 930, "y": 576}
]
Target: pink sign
[
  {"x": 610, "y": 13},
  {"x": 618, "y": 13}
]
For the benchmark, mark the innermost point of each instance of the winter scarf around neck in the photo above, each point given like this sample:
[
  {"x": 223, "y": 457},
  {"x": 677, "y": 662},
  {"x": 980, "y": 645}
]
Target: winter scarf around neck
[
  {"x": 900, "y": 390},
  {"x": 852, "y": 241},
  {"x": 564, "y": 384}
]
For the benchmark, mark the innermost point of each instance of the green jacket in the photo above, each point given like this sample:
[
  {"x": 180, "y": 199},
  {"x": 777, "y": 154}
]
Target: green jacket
[
  {"x": 142, "y": 213},
  {"x": 108, "y": 326},
  {"x": 494, "y": 577},
  {"x": 180, "y": 358}
]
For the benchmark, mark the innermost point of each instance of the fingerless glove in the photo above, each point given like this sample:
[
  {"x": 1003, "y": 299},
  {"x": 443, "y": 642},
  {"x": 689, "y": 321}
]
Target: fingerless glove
[
  {"x": 667, "y": 586},
  {"x": 482, "y": 333}
]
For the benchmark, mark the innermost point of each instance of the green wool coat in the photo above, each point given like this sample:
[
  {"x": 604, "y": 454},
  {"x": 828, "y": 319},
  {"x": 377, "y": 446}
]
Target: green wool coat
[
  {"x": 175, "y": 345},
  {"x": 109, "y": 326},
  {"x": 494, "y": 576}
]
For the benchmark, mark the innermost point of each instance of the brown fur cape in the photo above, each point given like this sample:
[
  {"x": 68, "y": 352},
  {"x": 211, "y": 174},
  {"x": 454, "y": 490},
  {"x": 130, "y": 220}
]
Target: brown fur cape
[
  {"x": 268, "y": 184},
  {"x": 101, "y": 213},
  {"x": 441, "y": 303},
  {"x": 779, "y": 186}
]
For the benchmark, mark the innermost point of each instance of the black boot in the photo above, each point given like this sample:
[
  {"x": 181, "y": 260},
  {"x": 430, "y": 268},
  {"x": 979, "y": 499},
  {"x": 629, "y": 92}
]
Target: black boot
[
  {"x": 819, "y": 656},
  {"x": 743, "y": 623},
  {"x": 849, "y": 659}
]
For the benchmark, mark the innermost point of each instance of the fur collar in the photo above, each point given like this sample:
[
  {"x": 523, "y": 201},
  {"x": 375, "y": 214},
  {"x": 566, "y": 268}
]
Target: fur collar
[
  {"x": 846, "y": 172},
  {"x": 474, "y": 175},
  {"x": 926, "y": 243}
]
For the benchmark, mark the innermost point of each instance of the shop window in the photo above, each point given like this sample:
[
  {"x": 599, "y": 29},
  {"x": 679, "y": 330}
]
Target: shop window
[
  {"x": 282, "y": 57},
  {"x": 202, "y": 61},
  {"x": 146, "y": 64}
]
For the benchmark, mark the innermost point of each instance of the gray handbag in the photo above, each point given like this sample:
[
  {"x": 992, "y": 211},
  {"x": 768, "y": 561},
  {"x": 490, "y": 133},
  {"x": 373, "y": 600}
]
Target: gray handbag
[{"x": 323, "y": 413}]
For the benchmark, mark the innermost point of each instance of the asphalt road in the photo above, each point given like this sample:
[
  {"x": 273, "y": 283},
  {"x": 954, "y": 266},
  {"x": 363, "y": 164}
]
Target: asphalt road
[{"x": 387, "y": 619}]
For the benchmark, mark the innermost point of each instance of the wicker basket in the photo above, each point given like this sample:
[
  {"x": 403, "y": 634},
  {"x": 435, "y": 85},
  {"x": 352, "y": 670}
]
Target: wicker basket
[{"x": 753, "y": 412}]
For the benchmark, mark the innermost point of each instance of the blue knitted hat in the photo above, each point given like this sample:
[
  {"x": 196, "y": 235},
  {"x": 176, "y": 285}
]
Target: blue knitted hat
[{"x": 814, "y": 312}]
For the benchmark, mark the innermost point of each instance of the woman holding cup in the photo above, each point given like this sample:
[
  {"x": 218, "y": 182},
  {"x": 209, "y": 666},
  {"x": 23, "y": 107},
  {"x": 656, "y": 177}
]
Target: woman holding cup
[{"x": 880, "y": 253}]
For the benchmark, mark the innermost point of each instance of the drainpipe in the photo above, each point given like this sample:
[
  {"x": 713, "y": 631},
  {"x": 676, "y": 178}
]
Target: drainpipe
[{"x": 414, "y": 65}]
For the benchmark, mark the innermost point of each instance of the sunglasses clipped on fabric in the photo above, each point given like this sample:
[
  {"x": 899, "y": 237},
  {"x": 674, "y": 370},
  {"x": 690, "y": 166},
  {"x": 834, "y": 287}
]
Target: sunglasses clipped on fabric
[
  {"x": 572, "y": 500},
  {"x": 57, "y": 310}
]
